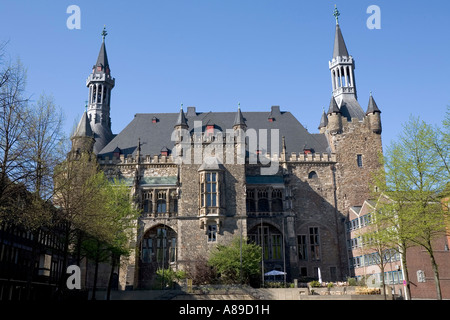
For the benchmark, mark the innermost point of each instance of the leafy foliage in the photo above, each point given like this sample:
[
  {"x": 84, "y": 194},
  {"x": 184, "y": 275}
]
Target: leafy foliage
[{"x": 227, "y": 261}]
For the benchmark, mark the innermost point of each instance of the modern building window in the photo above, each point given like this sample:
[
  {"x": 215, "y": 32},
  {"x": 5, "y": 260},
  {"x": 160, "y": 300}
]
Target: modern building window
[
  {"x": 212, "y": 233},
  {"x": 359, "y": 160},
  {"x": 314, "y": 242}
]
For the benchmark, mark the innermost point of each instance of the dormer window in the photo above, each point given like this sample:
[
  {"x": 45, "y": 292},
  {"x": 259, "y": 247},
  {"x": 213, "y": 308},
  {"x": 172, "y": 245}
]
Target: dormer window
[
  {"x": 271, "y": 119},
  {"x": 164, "y": 152},
  {"x": 154, "y": 120},
  {"x": 99, "y": 68}
]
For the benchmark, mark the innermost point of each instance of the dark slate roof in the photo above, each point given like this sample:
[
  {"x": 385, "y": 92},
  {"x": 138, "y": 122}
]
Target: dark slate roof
[
  {"x": 181, "y": 121},
  {"x": 340, "y": 49},
  {"x": 323, "y": 120},
  {"x": 155, "y": 136},
  {"x": 84, "y": 128},
  {"x": 239, "y": 120},
  {"x": 102, "y": 59},
  {"x": 350, "y": 108},
  {"x": 102, "y": 136},
  {"x": 372, "y": 106},
  {"x": 333, "y": 106}
]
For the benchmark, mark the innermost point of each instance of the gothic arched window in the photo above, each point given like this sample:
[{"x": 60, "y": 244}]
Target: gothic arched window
[{"x": 312, "y": 175}]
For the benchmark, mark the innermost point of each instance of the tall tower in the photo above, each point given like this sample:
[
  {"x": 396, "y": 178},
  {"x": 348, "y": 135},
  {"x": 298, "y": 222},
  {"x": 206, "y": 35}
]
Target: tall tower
[
  {"x": 342, "y": 68},
  {"x": 354, "y": 136},
  {"x": 100, "y": 84}
]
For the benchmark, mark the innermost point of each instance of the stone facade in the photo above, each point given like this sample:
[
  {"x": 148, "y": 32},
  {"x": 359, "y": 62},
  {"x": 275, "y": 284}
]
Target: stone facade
[{"x": 296, "y": 213}]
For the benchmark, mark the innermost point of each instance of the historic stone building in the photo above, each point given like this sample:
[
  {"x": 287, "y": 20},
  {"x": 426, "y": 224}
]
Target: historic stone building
[{"x": 203, "y": 178}]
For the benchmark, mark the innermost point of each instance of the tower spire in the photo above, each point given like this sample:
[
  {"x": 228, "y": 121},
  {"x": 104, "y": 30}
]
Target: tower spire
[
  {"x": 342, "y": 68},
  {"x": 100, "y": 84}
]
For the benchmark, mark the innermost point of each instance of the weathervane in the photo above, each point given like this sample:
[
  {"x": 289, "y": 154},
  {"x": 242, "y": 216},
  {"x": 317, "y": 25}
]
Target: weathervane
[
  {"x": 336, "y": 14},
  {"x": 104, "y": 33}
]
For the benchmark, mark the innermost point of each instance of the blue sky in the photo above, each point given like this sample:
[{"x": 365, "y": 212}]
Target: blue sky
[{"x": 213, "y": 54}]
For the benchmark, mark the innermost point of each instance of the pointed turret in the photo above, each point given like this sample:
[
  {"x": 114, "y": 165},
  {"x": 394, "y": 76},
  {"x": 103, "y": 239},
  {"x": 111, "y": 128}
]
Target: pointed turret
[
  {"x": 181, "y": 120},
  {"x": 239, "y": 122},
  {"x": 333, "y": 107},
  {"x": 372, "y": 107},
  {"x": 334, "y": 118},
  {"x": 100, "y": 84},
  {"x": 84, "y": 128},
  {"x": 83, "y": 137},
  {"x": 323, "y": 122},
  {"x": 374, "y": 115}
]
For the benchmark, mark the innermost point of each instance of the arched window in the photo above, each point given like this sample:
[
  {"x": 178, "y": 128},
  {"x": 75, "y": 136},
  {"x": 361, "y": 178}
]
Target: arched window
[
  {"x": 147, "y": 202},
  {"x": 313, "y": 175},
  {"x": 263, "y": 201}
]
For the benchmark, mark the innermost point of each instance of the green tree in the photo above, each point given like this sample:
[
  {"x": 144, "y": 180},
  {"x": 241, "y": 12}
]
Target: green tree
[
  {"x": 414, "y": 180},
  {"x": 227, "y": 261}
]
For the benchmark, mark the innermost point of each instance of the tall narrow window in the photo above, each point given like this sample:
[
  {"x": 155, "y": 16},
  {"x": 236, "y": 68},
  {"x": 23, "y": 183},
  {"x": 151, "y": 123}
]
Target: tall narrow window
[
  {"x": 250, "y": 201},
  {"x": 359, "y": 160},
  {"x": 263, "y": 235},
  {"x": 147, "y": 250},
  {"x": 277, "y": 200},
  {"x": 210, "y": 189},
  {"x": 314, "y": 243},
  {"x": 147, "y": 202},
  {"x": 173, "y": 250},
  {"x": 263, "y": 201},
  {"x": 302, "y": 247},
  {"x": 276, "y": 246},
  {"x": 161, "y": 244},
  {"x": 161, "y": 203},
  {"x": 212, "y": 233}
]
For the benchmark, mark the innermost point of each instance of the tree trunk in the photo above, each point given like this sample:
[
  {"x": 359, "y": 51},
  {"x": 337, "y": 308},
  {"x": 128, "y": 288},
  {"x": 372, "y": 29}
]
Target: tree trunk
[
  {"x": 436, "y": 275},
  {"x": 31, "y": 268},
  {"x": 63, "y": 275},
  {"x": 113, "y": 265},
  {"x": 97, "y": 258},
  {"x": 406, "y": 275}
]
